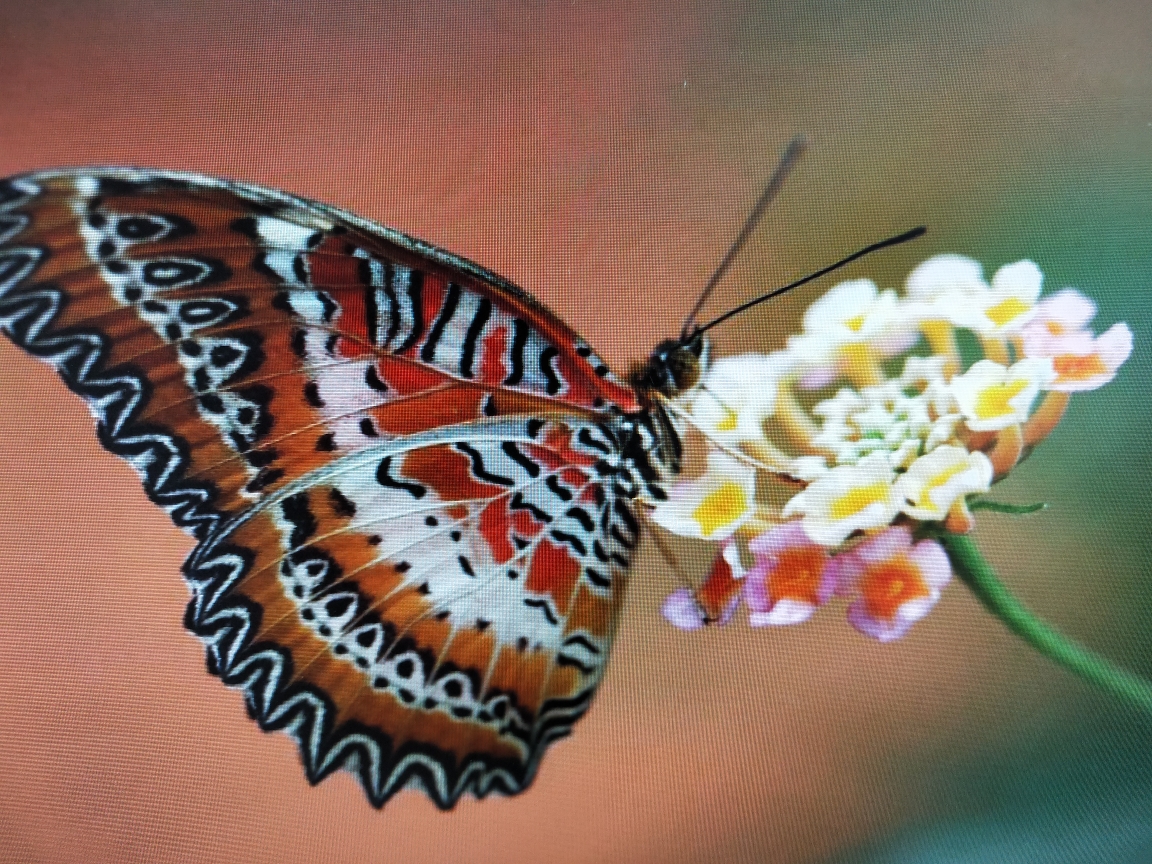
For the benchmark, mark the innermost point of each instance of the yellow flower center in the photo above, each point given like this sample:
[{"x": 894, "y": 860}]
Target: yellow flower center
[
  {"x": 855, "y": 323},
  {"x": 857, "y": 499},
  {"x": 722, "y": 506},
  {"x": 859, "y": 364},
  {"x": 1074, "y": 367},
  {"x": 728, "y": 424},
  {"x": 993, "y": 401},
  {"x": 938, "y": 481},
  {"x": 1006, "y": 310}
]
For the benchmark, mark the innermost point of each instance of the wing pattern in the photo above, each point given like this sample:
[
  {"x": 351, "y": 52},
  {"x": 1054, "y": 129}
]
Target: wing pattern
[{"x": 411, "y": 483}]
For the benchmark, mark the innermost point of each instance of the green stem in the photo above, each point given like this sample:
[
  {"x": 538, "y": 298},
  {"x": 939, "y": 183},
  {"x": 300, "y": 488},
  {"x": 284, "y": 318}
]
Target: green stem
[
  {"x": 1010, "y": 509},
  {"x": 971, "y": 568}
]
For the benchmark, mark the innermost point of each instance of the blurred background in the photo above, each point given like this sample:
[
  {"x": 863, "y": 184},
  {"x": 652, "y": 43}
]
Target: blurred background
[{"x": 603, "y": 155}]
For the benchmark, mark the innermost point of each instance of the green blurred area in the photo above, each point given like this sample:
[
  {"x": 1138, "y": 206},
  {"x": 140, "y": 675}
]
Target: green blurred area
[{"x": 1066, "y": 161}]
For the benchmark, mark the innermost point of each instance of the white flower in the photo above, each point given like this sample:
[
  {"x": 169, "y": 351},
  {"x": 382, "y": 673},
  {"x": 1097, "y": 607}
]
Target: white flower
[
  {"x": 1081, "y": 361},
  {"x": 946, "y": 288},
  {"x": 1009, "y": 304},
  {"x": 853, "y": 325},
  {"x": 857, "y": 311},
  {"x": 849, "y": 311},
  {"x": 1064, "y": 313},
  {"x": 713, "y": 506},
  {"x": 1088, "y": 362},
  {"x": 883, "y": 418},
  {"x": 807, "y": 468},
  {"x": 945, "y": 276},
  {"x": 935, "y": 481},
  {"x": 736, "y": 395},
  {"x": 992, "y": 396},
  {"x": 845, "y": 499}
]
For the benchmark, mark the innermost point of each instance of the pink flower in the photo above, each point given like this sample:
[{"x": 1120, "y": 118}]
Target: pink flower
[
  {"x": 1080, "y": 360},
  {"x": 894, "y": 584},
  {"x": 790, "y": 578},
  {"x": 682, "y": 611}
]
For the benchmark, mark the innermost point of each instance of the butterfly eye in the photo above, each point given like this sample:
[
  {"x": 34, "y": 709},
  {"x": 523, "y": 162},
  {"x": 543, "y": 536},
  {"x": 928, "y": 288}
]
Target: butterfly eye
[{"x": 684, "y": 366}]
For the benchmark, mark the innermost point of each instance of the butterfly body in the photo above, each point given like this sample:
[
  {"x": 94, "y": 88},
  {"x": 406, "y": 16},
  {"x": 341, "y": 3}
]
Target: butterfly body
[{"x": 412, "y": 484}]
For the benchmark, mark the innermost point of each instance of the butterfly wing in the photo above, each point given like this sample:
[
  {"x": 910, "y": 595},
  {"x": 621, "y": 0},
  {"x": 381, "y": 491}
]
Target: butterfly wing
[{"x": 405, "y": 474}]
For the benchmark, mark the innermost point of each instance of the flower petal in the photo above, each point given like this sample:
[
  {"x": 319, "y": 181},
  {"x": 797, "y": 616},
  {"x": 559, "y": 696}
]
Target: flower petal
[
  {"x": 789, "y": 579},
  {"x": 712, "y": 506},
  {"x": 935, "y": 481},
  {"x": 945, "y": 275},
  {"x": 993, "y": 397},
  {"x": 845, "y": 499},
  {"x": 681, "y": 610},
  {"x": 1086, "y": 364},
  {"x": 893, "y": 583}
]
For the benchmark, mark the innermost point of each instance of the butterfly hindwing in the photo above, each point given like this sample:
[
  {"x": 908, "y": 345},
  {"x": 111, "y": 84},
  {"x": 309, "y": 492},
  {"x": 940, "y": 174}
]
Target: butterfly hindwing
[{"x": 406, "y": 475}]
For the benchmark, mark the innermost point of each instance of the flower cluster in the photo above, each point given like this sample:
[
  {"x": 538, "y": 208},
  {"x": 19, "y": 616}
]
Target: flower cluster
[{"x": 873, "y": 427}]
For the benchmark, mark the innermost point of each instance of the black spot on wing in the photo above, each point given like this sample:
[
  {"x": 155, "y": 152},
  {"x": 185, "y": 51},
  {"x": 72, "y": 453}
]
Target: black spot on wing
[
  {"x": 571, "y": 539},
  {"x": 447, "y": 310},
  {"x": 519, "y": 503},
  {"x": 340, "y": 503},
  {"x": 553, "y": 385},
  {"x": 584, "y": 642},
  {"x": 297, "y": 512},
  {"x": 371, "y": 310},
  {"x": 567, "y": 660},
  {"x": 416, "y": 303},
  {"x": 372, "y": 379},
  {"x": 312, "y": 395},
  {"x": 520, "y": 458},
  {"x": 542, "y": 605},
  {"x": 516, "y": 353},
  {"x": 583, "y": 517},
  {"x": 558, "y": 489},
  {"x": 468, "y": 351},
  {"x": 384, "y": 478},
  {"x": 478, "y": 469},
  {"x": 597, "y": 578}
]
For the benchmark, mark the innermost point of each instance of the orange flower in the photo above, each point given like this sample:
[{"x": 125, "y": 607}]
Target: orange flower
[{"x": 893, "y": 583}]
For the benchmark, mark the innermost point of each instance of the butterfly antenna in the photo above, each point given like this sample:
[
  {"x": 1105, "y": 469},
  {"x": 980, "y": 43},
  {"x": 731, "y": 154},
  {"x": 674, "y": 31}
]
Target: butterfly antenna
[
  {"x": 792, "y": 154},
  {"x": 860, "y": 253}
]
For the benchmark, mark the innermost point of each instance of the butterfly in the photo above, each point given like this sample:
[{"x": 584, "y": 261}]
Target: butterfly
[{"x": 414, "y": 489}]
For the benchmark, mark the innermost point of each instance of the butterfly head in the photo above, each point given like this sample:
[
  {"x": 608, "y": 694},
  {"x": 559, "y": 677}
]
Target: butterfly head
[{"x": 673, "y": 366}]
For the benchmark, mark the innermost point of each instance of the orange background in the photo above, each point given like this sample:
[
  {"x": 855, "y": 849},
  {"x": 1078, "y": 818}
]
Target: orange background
[{"x": 602, "y": 156}]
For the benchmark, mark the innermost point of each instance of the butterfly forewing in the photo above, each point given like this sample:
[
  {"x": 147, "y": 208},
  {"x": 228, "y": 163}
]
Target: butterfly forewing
[{"x": 406, "y": 475}]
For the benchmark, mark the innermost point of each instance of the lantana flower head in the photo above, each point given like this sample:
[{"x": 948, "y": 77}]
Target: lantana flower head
[{"x": 904, "y": 436}]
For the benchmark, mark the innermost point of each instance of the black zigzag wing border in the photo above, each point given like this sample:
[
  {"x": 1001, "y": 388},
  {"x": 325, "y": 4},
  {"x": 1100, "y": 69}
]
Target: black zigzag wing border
[{"x": 226, "y": 625}]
